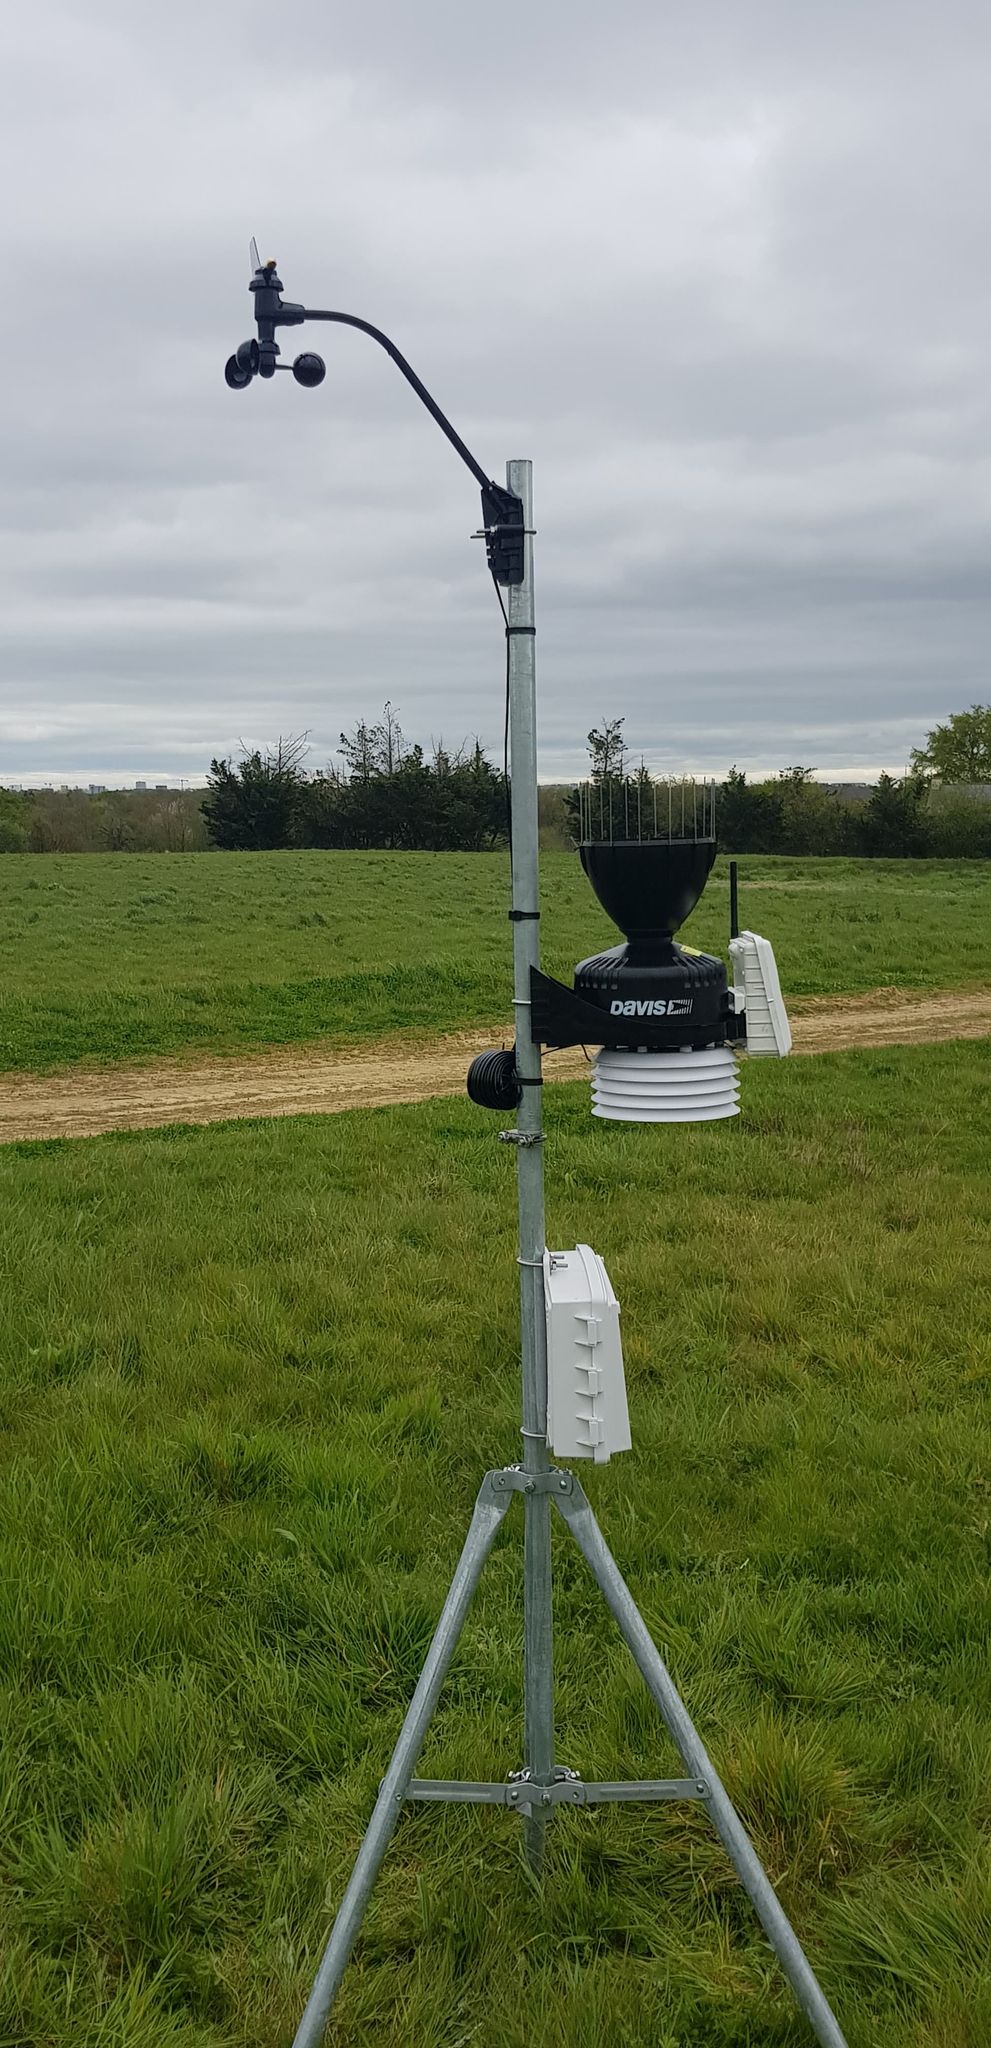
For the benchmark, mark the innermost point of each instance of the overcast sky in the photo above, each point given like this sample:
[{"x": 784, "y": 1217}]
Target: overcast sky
[{"x": 720, "y": 268}]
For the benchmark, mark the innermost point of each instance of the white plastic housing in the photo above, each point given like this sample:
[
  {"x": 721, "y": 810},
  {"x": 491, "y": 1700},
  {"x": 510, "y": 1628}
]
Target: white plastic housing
[
  {"x": 756, "y": 986},
  {"x": 665, "y": 1087},
  {"x": 587, "y": 1412}
]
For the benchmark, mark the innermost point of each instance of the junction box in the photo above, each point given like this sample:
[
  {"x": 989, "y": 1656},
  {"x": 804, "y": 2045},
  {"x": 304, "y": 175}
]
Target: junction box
[{"x": 587, "y": 1412}]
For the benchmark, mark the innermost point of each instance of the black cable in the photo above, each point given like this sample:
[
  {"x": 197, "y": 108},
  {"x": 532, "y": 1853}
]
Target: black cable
[
  {"x": 505, "y": 728},
  {"x": 493, "y": 1081}
]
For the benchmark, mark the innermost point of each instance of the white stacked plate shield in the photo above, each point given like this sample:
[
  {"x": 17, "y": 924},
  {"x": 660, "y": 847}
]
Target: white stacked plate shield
[{"x": 665, "y": 1087}]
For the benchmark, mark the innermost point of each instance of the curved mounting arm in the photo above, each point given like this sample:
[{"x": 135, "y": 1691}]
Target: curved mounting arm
[
  {"x": 351, "y": 320},
  {"x": 502, "y": 511}
]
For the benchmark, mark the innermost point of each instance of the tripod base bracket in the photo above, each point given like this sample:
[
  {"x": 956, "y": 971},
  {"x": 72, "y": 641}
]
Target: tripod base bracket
[{"x": 522, "y": 1792}]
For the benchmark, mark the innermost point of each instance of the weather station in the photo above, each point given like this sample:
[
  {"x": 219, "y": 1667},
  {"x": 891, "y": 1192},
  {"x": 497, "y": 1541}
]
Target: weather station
[{"x": 673, "y": 1032}]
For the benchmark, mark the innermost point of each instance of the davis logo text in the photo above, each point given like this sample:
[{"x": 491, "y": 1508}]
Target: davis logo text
[{"x": 674, "y": 1006}]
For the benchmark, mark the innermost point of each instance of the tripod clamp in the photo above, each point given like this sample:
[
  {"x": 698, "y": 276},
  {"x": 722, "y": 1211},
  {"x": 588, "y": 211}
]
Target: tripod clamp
[{"x": 516, "y": 1479}]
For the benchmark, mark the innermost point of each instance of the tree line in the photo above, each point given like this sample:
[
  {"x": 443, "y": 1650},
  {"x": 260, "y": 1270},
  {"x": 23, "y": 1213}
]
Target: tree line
[
  {"x": 387, "y": 793},
  {"x": 384, "y": 794},
  {"x": 941, "y": 809},
  {"x": 791, "y": 813},
  {"x": 115, "y": 821}
]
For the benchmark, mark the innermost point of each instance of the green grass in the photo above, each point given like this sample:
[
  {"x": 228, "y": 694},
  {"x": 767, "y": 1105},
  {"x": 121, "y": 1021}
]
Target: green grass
[
  {"x": 112, "y": 957},
  {"x": 251, "y": 1377}
]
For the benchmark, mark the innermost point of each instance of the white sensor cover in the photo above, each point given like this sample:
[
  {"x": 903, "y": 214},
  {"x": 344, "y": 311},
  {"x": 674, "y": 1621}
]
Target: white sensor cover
[
  {"x": 689, "y": 1087},
  {"x": 587, "y": 1413},
  {"x": 756, "y": 986}
]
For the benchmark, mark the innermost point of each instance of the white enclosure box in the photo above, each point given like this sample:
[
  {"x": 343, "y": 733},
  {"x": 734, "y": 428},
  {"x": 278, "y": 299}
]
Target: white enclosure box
[
  {"x": 587, "y": 1413},
  {"x": 757, "y": 988}
]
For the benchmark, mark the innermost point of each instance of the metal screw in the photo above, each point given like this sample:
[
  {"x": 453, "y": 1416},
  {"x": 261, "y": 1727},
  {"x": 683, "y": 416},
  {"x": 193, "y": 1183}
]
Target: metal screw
[
  {"x": 563, "y": 1484},
  {"x": 701, "y": 1786}
]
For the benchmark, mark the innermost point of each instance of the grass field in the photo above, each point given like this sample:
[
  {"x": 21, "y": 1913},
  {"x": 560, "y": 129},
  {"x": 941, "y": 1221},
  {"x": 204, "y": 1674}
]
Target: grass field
[
  {"x": 118, "y": 957},
  {"x": 251, "y": 1377}
]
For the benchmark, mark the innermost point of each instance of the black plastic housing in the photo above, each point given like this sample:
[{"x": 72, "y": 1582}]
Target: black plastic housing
[
  {"x": 648, "y": 993},
  {"x": 648, "y": 887},
  {"x": 502, "y": 521},
  {"x": 684, "y": 1001}
]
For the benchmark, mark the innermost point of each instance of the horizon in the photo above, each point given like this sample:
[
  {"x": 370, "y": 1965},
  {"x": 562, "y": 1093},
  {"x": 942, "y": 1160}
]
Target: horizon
[{"x": 160, "y": 783}]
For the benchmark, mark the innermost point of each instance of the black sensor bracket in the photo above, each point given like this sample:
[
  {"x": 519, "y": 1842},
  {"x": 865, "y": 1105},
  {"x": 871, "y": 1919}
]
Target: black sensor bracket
[
  {"x": 559, "y": 1017},
  {"x": 503, "y": 531}
]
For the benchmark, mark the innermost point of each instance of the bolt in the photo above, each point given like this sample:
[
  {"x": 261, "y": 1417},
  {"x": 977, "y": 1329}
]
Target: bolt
[
  {"x": 529, "y": 1487},
  {"x": 701, "y": 1786},
  {"x": 545, "y": 1799},
  {"x": 563, "y": 1484}
]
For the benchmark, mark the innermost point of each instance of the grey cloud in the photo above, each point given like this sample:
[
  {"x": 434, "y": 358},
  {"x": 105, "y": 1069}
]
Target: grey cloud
[{"x": 720, "y": 271}]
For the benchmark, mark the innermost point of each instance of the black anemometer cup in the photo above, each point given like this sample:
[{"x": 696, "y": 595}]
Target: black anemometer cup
[{"x": 309, "y": 370}]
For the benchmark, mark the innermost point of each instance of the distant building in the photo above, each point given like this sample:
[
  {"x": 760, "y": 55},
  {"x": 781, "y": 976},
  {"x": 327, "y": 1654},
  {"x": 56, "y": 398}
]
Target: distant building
[
  {"x": 97, "y": 788},
  {"x": 141, "y": 785}
]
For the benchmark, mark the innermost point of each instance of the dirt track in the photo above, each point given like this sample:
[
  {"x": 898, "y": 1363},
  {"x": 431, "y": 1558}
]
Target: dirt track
[{"x": 82, "y": 1103}]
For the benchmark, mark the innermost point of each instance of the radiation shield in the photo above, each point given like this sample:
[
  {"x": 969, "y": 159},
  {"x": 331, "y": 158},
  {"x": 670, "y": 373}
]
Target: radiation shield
[{"x": 689, "y": 1087}]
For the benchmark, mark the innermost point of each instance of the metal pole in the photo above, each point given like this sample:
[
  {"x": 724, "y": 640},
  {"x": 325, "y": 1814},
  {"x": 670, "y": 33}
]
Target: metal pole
[{"x": 538, "y": 1673}]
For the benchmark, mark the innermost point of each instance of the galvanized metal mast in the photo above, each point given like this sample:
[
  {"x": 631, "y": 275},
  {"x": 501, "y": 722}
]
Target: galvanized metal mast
[{"x": 538, "y": 1621}]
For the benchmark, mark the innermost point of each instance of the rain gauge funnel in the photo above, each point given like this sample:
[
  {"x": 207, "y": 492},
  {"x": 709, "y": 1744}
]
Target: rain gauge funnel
[{"x": 648, "y": 888}]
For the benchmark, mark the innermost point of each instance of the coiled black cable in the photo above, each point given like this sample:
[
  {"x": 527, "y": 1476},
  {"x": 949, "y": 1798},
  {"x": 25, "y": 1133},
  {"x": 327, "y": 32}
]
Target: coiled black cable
[{"x": 493, "y": 1081}]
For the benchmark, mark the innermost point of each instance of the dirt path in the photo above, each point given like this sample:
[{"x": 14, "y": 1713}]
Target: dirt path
[{"x": 82, "y": 1103}]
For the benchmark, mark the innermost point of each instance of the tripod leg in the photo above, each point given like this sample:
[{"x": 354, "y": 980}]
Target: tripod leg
[
  {"x": 577, "y": 1513},
  {"x": 489, "y": 1511},
  {"x": 538, "y": 1664}
]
